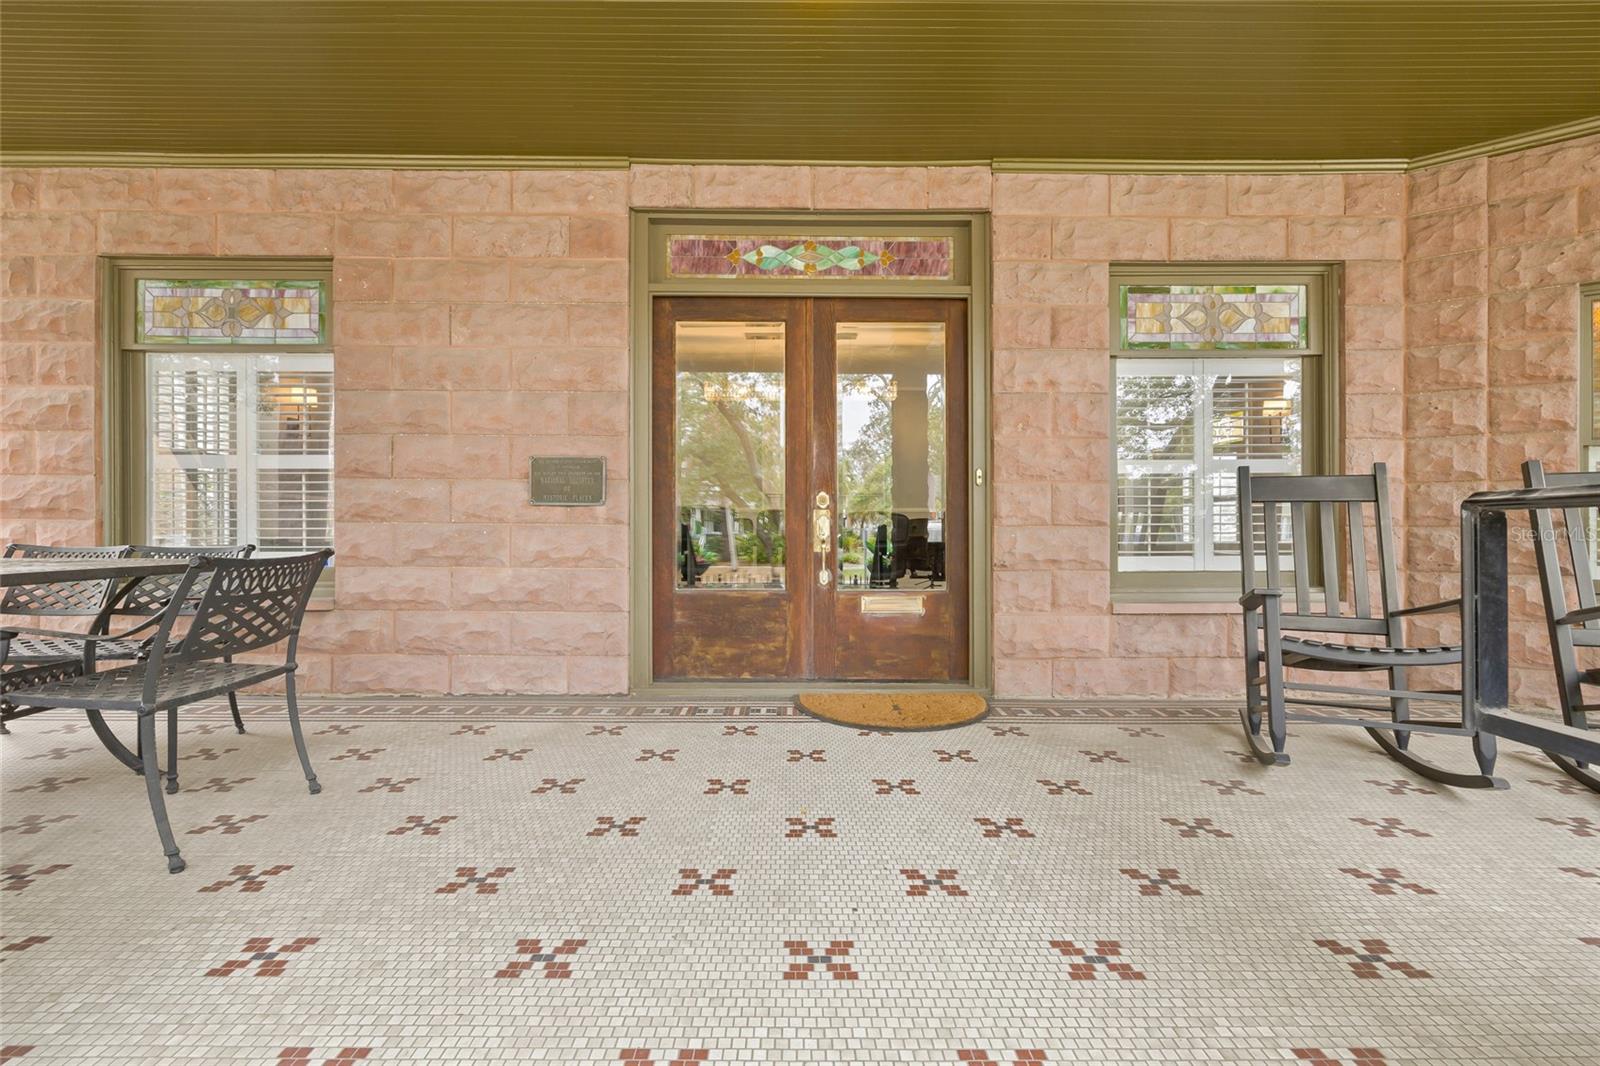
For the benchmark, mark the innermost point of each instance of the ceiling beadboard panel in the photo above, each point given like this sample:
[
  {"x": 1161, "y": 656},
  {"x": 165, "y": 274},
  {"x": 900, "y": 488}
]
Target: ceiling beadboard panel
[{"x": 819, "y": 80}]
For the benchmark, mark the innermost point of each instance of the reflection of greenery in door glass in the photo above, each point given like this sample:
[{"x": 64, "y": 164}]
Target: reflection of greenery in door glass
[
  {"x": 890, "y": 393},
  {"x": 730, "y": 455}
]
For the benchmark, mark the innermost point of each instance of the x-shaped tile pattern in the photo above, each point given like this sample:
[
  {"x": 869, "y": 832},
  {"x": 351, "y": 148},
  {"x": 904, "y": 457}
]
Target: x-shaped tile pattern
[
  {"x": 1390, "y": 827},
  {"x": 942, "y": 880},
  {"x": 963, "y": 755},
  {"x": 468, "y": 878},
  {"x": 1086, "y": 963},
  {"x": 1359, "y": 1056},
  {"x": 691, "y": 880},
  {"x": 799, "y": 827},
  {"x": 716, "y": 786},
  {"x": 1578, "y": 827},
  {"x": 306, "y": 1055},
  {"x": 1372, "y": 958},
  {"x": 548, "y": 785},
  {"x": 1103, "y": 756},
  {"x": 248, "y": 878},
  {"x": 19, "y": 876},
  {"x": 906, "y": 786},
  {"x": 554, "y": 962},
  {"x": 29, "y": 824},
  {"x": 643, "y": 1056},
  {"x": 993, "y": 828},
  {"x": 627, "y": 827},
  {"x": 1163, "y": 881},
  {"x": 1063, "y": 787},
  {"x": 804, "y": 960},
  {"x": 267, "y": 960},
  {"x": 428, "y": 827},
  {"x": 814, "y": 755},
  {"x": 1388, "y": 881},
  {"x": 664, "y": 755},
  {"x": 227, "y": 824},
  {"x": 1194, "y": 827},
  {"x": 388, "y": 784}
]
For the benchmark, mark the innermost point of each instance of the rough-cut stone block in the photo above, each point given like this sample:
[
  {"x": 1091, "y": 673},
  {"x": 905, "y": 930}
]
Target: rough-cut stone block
[
  {"x": 654, "y": 185},
  {"x": 1023, "y": 679},
  {"x": 1078, "y": 679},
  {"x": 960, "y": 188},
  {"x": 394, "y": 412},
  {"x": 598, "y": 325},
  {"x": 1533, "y": 357},
  {"x": 1446, "y": 459},
  {"x": 1084, "y": 414},
  {"x": 1230, "y": 238},
  {"x": 434, "y": 455},
  {"x": 47, "y": 496},
  {"x": 1544, "y": 310},
  {"x": 1021, "y": 592},
  {"x": 1374, "y": 326},
  {"x": 1052, "y": 370},
  {"x": 275, "y": 234},
  {"x": 392, "y": 324},
  {"x": 595, "y": 237},
  {"x": 1084, "y": 503},
  {"x": 518, "y": 589},
  {"x": 1447, "y": 322},
  {"x": 393, "y": 500},
  {"x": 452, "y": 369},
  {"x": 42, "y": 407},
  {"x": 1374, "y": 414},
  {"x": 1534, "y": 218},
  {"x": 1051, "y": 194},
  {"x": 598, "y": 414},
  {"x": 1079, "y": 326},
  {"x": 1460, "y": 229},
  {"x": 452, "y": 280},
  {"x": 1554, "y": 166},
  {"x": 1109, "y": 238},
  {"x": 1448, "y": 366},
  {"x": 1508, "y": 450},
  {"x": 1285, "y": 194},
  {"x": 403, "y": 587},
  {"x": 362, "y": 455},
  {"x": 1345, "y": 238},
  {"x": 746, "y": 186},
  {"x": 1052, "y": 636},
  {"x": 596, "y": 547},
  {"x": 869, "y": 188},
  {"x": 157, "y": 233},
  {"x": 1021, "y": 414},
  {"x": 362, "y": 280},
  {"x": 1169, "y": 195},
  {"x": 1375, "y": 194},
  {"x": 488, "y": 325},
  {"x": 348, "y": 631},
  {"x": 1046, "y": 547},
  {"x": 60, "y": 233},
  {"x": 96, "y": 189},
  {"x": 449, "y": 544},
  {"x": 452, "y": 191},
  {"x": 392, "y": 235},
  {"x": 1020, "y": 326},
  {"x": 569, "y": 192},
  {"x": 66, "y": 451},
  {"x": 569, "y": 633},
  {"x": 453, "y": 632},
  {"x": 1021, "y": 237},
  {"x": 1050, "y": 283},
  {"x": 362, "y": 367},
  {"x": 39, "y": 319},
  {"x": 1447, "y": 185},
  {"x": 507, "y": 412},
  {"x": 348, "y": 191},
  {"x": 527, "y": 675},
  {"x": 199, "y": 190},
  {"x": 510, "y": 236},
  {"x": 1374, "y": 282},
  {"x": 1447, "y": 277},
  {"x": 1566, "y": 261},
  {"x": 1160, "y": 635},
  {"x": 1528, "y": 408},
  {"x": 391, "y": 673},
  {"x": 570, "y": 281},
  {"x": 1446, "y": 413},
  {"x": 1373, "y": 371},
  {"x": 1021, "y": 504},
  {"x": 571, "y": 369}
]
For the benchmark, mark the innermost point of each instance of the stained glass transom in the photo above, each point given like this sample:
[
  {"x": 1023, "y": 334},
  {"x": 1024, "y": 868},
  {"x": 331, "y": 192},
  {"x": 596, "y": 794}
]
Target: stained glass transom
[
  {"x": 824, "y": 257},
  {"x": 231, "y": 312},
  {"x": 1188, "y": 317}
]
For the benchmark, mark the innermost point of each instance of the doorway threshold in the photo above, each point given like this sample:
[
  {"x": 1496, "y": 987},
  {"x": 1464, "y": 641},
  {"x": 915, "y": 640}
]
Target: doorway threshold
[{"x": 723, "y": 691}]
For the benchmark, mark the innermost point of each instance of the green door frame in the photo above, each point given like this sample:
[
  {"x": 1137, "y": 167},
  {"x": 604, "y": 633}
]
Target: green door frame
[{"x": 648, "y": 279}]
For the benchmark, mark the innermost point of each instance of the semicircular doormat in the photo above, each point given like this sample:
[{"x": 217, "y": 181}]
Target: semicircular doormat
[{"x": 895, "y": 710}]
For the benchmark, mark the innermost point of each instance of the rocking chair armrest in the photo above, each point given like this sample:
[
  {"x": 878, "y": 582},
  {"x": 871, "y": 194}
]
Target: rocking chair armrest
[
  {"x": 1428, "y": 608},
  {"x": 1579, "y": 617},
  {"x": 1256, "y": 599}
]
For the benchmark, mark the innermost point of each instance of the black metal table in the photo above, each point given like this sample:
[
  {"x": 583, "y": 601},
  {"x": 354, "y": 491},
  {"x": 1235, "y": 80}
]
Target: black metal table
[
  {"x": 1485, "y": 687},
  {"x": 18, "y": 572}
]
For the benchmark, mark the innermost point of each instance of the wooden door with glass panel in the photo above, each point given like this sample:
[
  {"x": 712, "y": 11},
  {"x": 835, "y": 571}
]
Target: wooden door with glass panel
[{"x": 809, "y": 489}]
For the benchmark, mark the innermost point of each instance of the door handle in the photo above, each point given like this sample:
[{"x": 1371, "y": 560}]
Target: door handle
[{"x": 821, "y": 529}]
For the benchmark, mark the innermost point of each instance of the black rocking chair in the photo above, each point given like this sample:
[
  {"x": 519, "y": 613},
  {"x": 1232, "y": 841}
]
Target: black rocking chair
[
  {"x": 1373, "y": 628},
  {"x": 248, "y": 604},
  {"x": 1569, "y": 630}
]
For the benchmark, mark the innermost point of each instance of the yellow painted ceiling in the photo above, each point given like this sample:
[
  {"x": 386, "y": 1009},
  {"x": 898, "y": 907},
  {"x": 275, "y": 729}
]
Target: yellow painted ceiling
[{"x": 816, "y": 80}]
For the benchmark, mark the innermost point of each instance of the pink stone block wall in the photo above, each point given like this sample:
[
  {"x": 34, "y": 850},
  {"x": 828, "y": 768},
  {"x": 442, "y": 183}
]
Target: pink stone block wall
[{"x": 481, "y": 316}]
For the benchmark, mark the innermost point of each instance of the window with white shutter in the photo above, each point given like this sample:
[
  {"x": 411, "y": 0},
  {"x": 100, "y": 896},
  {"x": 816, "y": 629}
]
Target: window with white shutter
[
  {"x": 1213, "y": 371},
  {"x": 230, "y": 406}
]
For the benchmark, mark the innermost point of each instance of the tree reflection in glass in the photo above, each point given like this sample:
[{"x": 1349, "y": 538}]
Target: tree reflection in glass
[{"x": 730, "y": 455}]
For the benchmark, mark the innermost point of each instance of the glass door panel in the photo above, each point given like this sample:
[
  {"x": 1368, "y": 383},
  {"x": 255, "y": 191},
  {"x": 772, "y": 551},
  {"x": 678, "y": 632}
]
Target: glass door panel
[
  {"x": 891, "y": 459},
  {"x": 730, "y": 455}
]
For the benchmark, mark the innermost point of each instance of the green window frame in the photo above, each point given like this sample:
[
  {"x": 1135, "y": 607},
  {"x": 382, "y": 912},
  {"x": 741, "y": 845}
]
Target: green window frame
[
  {"x": 1187, "y": 410},
  {"x": 1588, "y": 380},
  {"x": 223, "y": 417}
]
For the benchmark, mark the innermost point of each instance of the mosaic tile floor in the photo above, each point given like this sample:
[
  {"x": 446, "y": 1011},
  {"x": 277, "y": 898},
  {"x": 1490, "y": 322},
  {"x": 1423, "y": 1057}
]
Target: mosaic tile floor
[{"x": 505, "y": 882}]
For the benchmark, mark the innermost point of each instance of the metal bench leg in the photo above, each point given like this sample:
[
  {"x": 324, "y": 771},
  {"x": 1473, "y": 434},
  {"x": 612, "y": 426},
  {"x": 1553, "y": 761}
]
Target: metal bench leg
[
  {"x": 172, "y": 750},
  {"x": 233, "y": 702},
  {"x": 152, "y": 783},
  {"x": 132, "y": 760},
  {"x": 299, "y": 737}
]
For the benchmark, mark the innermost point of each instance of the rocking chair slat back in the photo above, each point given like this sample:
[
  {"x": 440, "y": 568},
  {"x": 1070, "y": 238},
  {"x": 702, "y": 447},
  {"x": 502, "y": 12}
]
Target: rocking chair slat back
[
  {"x": 1552, "y": 574},
  {"x": 1340, "y": 522}
]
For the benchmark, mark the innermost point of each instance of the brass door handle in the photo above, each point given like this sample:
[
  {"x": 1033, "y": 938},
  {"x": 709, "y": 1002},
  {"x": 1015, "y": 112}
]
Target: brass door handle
[{"x": 821, "y": 529}]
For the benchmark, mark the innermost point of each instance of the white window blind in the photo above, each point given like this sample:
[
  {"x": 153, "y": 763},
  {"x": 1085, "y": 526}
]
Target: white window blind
[
  {"x": 1183, "y": 428},
  {"x": 241, "y": 450}
]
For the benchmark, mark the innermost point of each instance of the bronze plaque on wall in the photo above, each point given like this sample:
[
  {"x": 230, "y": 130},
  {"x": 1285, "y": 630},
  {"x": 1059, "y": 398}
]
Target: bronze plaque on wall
[{"x": 567, "y": 480}]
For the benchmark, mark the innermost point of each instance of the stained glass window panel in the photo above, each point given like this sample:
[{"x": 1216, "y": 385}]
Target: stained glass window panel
[
  {"x": 735, "y": 256},
  {"x": 231, "y": 312},
  {"x": 1214, "y": 317}
]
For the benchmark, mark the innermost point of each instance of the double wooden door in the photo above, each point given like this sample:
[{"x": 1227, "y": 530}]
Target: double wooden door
[{"x": 809, "y": 489}]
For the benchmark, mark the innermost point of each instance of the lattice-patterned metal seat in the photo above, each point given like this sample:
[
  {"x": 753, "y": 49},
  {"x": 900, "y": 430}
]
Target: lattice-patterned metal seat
[
  {"x": 1323, "y": 522},
  {"x": 22, "y": 664},
  {"x": 248, "y": 604},
  {"x": 1575, "y": 628}
]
